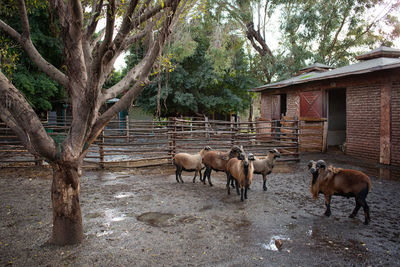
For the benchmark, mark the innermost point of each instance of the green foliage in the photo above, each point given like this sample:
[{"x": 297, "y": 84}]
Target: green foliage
[
  {"x": 209, "y": 76},
  {"x": 37, "y": 87}
]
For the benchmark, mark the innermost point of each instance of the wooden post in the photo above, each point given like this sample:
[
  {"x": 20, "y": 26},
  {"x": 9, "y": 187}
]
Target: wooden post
[
  {"x": 385, "y": 147},
  {"x": 324, "y": 136},
  {"x": 206, "y": 127},
  {"x": 232, "y": 130},
  {"x": 172, "y": 136},
  {"x": 127, "y": 128},
  {"x": 297, "y": 135},
  {"x": 101, "y": 149}
]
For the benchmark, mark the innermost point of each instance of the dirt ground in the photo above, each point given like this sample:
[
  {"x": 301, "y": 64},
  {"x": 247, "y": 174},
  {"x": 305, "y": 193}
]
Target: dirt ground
[{"x": 142, "y": 217}]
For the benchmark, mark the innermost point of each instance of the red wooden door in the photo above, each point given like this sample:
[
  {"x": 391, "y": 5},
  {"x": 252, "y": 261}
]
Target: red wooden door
[{"x": 311, "y": 104}]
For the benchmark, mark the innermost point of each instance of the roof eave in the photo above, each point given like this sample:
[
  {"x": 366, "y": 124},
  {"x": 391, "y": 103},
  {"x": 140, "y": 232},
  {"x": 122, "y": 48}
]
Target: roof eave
[{"x": 283, "y": 85}]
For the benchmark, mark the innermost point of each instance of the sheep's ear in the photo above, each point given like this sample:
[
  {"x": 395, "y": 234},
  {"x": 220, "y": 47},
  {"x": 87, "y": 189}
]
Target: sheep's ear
[
  {"x": 310, "y": 164},
  {"x": 321, "y": 164}
]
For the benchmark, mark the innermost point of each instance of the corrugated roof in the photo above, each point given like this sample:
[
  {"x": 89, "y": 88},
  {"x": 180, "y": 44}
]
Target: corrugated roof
[{"x": 358, "y": 68}]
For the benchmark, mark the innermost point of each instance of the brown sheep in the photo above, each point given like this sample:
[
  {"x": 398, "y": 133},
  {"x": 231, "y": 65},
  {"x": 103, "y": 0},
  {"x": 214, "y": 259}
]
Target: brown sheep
[
  {"x": 342, "y": 182},
  {"x": 265, "y": 166},
  {"x": 241, "y": 169},
  {"x": 217, "y": 160},
  {"x": 190, "y": 163}
]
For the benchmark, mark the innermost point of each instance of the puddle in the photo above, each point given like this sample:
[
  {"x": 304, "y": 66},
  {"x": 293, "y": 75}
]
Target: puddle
[
  {"x": 103, "y": 233},
  {"x": 275, "y": 243},
  {"x": 113, "y": 215},
  {"x": 124, "y": 195},
  {"x": 187, "y": 219},
  {"x": 157, "y": 219}
]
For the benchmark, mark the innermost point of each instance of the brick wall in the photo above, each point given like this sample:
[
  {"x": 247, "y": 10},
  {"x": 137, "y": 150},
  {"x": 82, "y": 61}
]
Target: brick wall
[
  {"x": 363, "y": 121},
  {"x": 395, "y": 130},
  {"x": 293, "y": 104}
]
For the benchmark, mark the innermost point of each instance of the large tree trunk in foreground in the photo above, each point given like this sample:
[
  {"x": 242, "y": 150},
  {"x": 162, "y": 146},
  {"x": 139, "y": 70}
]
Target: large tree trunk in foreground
[{"x": 67, "y": 218}]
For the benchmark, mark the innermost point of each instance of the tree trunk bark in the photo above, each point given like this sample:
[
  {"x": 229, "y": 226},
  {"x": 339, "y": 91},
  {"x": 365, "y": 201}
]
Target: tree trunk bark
[{"x": 67, "y": 216}]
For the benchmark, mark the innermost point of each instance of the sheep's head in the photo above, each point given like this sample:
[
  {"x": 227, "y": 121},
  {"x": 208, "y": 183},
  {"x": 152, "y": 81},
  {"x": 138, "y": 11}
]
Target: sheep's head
[
  {"x": 235, "y": 151},
  {"x": 315, "y": 168},
  {"x": 275, "y": 152},
  {"x": 250, "y": 156},
  {"x": 207, "y": 148}
]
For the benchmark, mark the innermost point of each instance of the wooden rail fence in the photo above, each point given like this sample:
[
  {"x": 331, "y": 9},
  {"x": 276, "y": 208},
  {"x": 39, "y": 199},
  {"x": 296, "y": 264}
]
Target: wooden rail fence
[{"x": 132, "y": 143}]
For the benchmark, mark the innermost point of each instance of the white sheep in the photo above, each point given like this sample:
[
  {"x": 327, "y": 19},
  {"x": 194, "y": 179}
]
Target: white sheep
[
  {"x": 190, "y": 163},
  {"x": 265, "y": 166}
]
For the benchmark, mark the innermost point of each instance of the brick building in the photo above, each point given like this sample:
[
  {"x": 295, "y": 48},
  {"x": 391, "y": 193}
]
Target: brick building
[{"x": 360, "y": 103}]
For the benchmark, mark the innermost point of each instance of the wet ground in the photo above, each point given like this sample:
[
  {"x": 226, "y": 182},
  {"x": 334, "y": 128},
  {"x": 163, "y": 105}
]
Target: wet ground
[{"x": 142, "y": 217}]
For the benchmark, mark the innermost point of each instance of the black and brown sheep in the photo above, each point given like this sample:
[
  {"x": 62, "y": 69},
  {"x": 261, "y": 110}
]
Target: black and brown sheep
[
  {"x": 342, "y": 182},
  {"x": 265, "y": 166},
  {"x": 190, "y": 163},
  {"x": 217, "y": 160},
  {"x": 241, "y": 170}
]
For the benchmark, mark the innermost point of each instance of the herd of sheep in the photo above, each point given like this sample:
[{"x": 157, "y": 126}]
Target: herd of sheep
[{"x": 240, "y": 168}]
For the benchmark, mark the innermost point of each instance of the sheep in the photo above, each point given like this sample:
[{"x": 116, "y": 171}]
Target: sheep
[
  {"x": 265, "y": 166},
  {"x": 342, "y": 182},
  {"x": 216, "y": 160},
  {"x": 189, "y": 162},
  {"x": 241, "y": 169}
]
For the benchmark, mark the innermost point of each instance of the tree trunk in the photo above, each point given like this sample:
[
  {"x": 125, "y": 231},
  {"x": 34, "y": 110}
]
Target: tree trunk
[{"x": 67, "y": 216}]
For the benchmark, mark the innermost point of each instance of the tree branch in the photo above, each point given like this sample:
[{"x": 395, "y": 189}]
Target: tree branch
[
  {"x": 21, "y": 118},
  {"x": 34, "y": 55},
  {"x": 142, "y": 75}
]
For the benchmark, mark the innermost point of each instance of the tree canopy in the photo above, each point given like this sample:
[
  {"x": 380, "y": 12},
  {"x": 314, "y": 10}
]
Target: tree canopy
[
  {"x": 207, "y": 73},
  {"x": 328, "y": 32},
  {"x": 39, "y": 89}
]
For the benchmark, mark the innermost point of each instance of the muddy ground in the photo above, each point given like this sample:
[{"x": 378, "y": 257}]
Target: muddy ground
[{"x": 142, "y": 217}]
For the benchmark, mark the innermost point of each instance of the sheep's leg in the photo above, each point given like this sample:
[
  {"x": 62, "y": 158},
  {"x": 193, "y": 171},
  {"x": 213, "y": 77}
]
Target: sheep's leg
[
  {"x": 264, "y": 182},
  {"x": 237, "y": 187},
  {"x": 206, "y": 173},
  {"x": 245, "y": 192},
  {"x": 358, "y": 206},
  {"x": 241, "y": 194},
  {"x": 362, "y": 196},
  {"x": 366, "y": 212},
  {"x": 209, "y": 178},
  {"x": 180, "y": 177},
  {"x": 195, "y": 174},
  {"x": 328, "y": 205},
  {"x": 228, "y": 180},
  {"x": 178, "y": 172},
  {"x": 232, "y": 183}
]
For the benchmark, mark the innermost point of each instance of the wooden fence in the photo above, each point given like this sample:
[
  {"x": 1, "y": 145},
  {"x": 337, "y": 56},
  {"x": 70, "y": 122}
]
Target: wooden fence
[{"x": 132, "y": 143}]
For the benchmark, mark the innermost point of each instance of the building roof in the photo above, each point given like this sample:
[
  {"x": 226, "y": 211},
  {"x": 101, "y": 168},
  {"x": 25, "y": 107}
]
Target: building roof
[
  {"x": 382, "y": 51},
  {"x": 366, "y": 66},
  {"x": 317, "y": 65}
]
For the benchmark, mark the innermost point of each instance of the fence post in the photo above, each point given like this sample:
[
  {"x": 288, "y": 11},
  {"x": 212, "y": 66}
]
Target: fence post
[
  {"x": 172, "y": 136},
  {"x": 232, "y": 130},
  {"x": 297, "y": 135},
  {"x": 101, "y": 149},
  {"x": 324, "y": 136},
  {"x": 127, "y": 128},
  {"x": 206, "y": 126}
]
